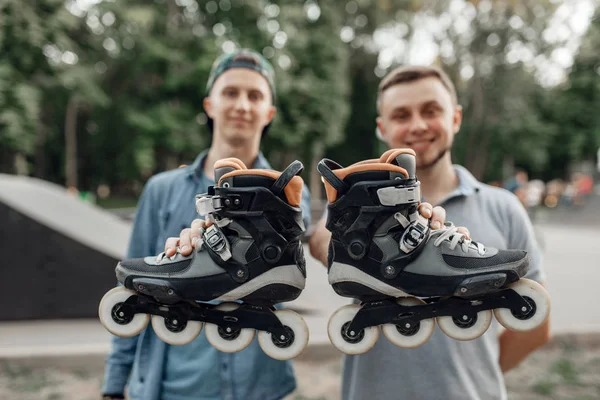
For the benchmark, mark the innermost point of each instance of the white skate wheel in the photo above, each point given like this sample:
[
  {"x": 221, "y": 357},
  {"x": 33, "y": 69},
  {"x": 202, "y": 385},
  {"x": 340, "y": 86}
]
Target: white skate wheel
[
  {"x": 360, "y": 342},
  {"x": 465, "y": 328},
  {"x": 409, "y": 336},
  {"x": 190, "y": 332},
  {"x": 105, "y": 311},
  {"x": 228, "y": 342},
  {"x": 291, "y": 320},
  {"x": 541, "y": 301}
]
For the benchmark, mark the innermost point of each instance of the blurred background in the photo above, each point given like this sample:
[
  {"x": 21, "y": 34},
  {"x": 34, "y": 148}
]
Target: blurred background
[{"x": 97, "y": 96}]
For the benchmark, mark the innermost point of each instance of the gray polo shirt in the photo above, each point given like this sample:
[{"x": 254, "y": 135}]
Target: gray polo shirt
[{"x": 444, "y": 368}]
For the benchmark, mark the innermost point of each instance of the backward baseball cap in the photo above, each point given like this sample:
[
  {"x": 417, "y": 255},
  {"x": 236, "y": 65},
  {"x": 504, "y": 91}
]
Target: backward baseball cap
[{"x": 243, "y": 58}]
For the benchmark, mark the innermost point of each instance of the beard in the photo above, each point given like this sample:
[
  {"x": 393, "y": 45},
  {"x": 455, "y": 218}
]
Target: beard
[{"x": 436, "y": 159}]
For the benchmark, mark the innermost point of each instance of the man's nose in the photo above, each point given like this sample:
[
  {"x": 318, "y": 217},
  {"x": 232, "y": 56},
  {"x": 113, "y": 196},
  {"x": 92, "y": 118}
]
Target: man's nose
[
  {"x": 418, "y": 124},
  {"x": 242, "y": 103}
]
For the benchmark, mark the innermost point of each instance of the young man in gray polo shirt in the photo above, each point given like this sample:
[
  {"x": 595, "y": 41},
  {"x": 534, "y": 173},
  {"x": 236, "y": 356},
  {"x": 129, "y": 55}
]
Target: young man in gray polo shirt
[{"x": 418, "y": 109}]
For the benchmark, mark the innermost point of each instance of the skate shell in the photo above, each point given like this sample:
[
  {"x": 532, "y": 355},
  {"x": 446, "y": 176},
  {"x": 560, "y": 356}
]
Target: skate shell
[
  {"x": 537, "y": 293},
  {"x": 426, "y": 328},
  {"x": 113, "y": 297},
  {"x": 220, "y": 343},
  {"x": 190, "y": 332},
  {"x": 296, "y": 323},
  {"x": 335, "y": 327},
  {"x": 449, "y": 327}
]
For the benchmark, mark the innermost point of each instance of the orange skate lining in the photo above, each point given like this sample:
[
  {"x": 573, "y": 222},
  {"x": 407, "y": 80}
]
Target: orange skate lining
[
  {"x": 230, "y": 162},
  {"x": 344, "y": 172},
  {"x": 293, "y": 190},
  {"x": 395, "y": 153}
]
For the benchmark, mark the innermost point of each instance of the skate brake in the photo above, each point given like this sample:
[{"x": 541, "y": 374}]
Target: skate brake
[
  {"x": 216, "y": 240},
  {"x": 394, "y": 196},
  {"x": 415, "y": 234}
]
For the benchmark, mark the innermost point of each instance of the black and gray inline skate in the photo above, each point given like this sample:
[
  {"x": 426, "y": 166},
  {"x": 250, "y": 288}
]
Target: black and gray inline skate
[
  {"x": 249, "y": 258},
  {"x": 406, "y": 276}
]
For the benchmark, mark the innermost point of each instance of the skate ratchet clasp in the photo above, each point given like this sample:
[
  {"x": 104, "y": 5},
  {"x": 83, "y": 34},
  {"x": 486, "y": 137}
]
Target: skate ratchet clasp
[
  {"x": 216, "y": 240},
  {"x": 416, "y": 233},
  {"x": 206, "y": 205}
]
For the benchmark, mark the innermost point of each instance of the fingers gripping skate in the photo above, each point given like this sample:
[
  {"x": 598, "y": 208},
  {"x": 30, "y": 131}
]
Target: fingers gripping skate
[
  {"x": 382, "y": 249},
  {"x": 249, "y": 253}
]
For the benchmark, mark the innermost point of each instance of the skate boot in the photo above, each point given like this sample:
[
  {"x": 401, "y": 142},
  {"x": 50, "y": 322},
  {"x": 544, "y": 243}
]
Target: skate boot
[
  {"x": 383, "y": 253},
  {"x": 249, "y": 258}
]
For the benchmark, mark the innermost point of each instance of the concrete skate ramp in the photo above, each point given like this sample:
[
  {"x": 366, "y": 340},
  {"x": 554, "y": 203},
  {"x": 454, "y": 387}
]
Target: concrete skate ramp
[{"x": 58, "y": 253}]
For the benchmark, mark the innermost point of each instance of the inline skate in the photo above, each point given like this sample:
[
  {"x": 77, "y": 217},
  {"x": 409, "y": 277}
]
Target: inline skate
[
  {"x": 383, "y": 253},
  {"x": 249, "y": 258}
]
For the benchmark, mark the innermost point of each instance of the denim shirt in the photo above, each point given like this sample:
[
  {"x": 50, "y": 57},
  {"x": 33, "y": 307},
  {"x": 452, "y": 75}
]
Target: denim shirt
[{"x": 165, "y": 208}]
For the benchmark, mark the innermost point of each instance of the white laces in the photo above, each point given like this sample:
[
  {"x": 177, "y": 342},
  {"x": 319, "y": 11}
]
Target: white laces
[
  {"x": 450, "y": 233},
  {"x": 163, "y": 255}
]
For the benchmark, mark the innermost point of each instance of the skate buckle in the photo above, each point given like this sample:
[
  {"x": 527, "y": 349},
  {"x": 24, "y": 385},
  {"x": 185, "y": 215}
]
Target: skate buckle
[
  {"x": 394, "y": 196},
  {"x": 206, "y": 205},
  {"x": 215, "y": 239},
  {"x": 414, "y": 235}
]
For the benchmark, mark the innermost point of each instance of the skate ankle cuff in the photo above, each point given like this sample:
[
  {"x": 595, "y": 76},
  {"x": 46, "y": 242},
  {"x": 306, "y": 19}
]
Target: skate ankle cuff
[
  {"x": 415, "y": 235},
  {"x": 395, "y": 196}
]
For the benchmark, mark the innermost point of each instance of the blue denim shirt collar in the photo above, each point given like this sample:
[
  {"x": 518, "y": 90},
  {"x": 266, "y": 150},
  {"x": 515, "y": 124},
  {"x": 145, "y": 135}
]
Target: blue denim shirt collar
[{"x": 196, "y": 168}]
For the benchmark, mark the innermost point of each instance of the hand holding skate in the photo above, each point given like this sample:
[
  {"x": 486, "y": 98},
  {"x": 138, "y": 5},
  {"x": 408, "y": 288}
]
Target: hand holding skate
[
  {"x": 249, "y": 251},
  {"x": 407, "y": 276}
]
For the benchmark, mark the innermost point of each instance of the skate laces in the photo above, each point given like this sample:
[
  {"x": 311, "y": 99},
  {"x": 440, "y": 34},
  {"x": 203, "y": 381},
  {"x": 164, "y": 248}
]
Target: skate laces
[{"x": 450, "y": 233}]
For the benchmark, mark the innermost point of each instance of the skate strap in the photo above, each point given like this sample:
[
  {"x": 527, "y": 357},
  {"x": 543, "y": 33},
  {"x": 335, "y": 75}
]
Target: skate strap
[
  {"x": 286, "y": 176},
  {"x": 325, "y": 168},
  {"x": 292, "y": 189},
  {"x": 394, "y": 196},
  {"x": 333, "y": 174}
]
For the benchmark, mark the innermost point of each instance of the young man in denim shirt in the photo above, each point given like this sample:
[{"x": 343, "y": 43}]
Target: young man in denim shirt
[{"x": 240, "y": 108}]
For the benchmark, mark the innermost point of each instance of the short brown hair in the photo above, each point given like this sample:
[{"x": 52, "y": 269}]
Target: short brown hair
[{"x": 411, "y": 73}]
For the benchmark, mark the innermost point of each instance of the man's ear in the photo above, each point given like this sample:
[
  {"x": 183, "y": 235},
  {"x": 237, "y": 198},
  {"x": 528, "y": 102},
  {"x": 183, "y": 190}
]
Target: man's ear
[
  {"x": 457, "y": 118},
  {"x": 271, "y": 114},
  {"x": 380, "y": 131},
  {"x": 207, "y": 103}
]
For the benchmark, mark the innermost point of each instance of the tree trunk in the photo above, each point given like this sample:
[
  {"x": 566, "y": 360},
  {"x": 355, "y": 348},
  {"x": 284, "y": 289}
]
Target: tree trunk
[{"x": 71, "y": 143}]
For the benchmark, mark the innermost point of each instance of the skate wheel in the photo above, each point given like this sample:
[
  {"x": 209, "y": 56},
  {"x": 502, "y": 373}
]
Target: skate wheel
[
  {"x": 536, "y": 295},
  {"x": 296, "y": 327},
  {"x": 409, "y": 336},
  {"x": 466, "y": 327},
  {"x": 359, "y": 343},
  {"x": 175, "y": 332},
  {"x": 115, "y": 321},
  {"x": 230, "y": 341}
]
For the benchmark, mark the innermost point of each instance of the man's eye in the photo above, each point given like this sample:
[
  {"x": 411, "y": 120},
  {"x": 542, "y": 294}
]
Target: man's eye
[{"x": 431, "y": 112}]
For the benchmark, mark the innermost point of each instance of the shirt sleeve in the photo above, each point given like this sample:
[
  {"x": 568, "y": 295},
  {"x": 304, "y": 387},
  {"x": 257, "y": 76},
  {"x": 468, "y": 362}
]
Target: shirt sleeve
[
  {"x": 305, "y": 206},
  {"x": 522, "y": 236},
  {"x": 142, "y": 243}
]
